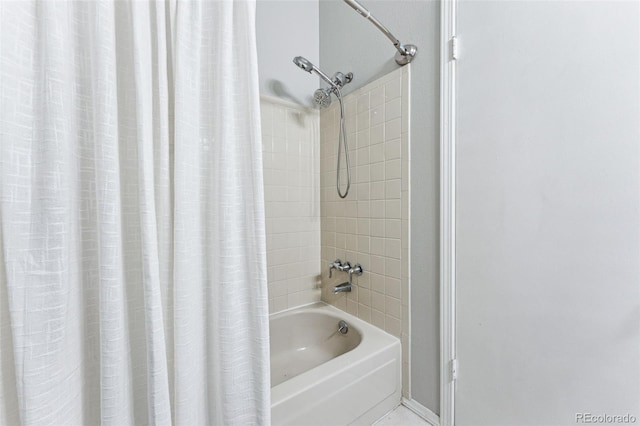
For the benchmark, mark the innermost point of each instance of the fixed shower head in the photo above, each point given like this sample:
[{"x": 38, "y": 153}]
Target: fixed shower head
[
  {"x": 322, "y": 97},
  {"x": 307, "y": 66}
]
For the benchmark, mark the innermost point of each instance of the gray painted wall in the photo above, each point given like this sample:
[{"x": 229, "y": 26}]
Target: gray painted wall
[
  {"x": 286, "y": 29},
  {"x": 548, "y": 211},
  {"x": 348, "y": 42}
]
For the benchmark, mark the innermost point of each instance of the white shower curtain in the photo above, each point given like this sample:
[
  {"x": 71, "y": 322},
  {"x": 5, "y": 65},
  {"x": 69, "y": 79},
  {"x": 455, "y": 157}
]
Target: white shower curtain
[{"x": 132, "y": 252}]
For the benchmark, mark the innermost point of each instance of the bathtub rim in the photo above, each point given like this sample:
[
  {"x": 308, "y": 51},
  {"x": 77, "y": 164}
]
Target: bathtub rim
[{"x": 373, "y": 342}]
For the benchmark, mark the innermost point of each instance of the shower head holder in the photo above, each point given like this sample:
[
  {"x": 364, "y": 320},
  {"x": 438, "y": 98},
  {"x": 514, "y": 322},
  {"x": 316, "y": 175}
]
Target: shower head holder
[{"x": 341, "y": 79}]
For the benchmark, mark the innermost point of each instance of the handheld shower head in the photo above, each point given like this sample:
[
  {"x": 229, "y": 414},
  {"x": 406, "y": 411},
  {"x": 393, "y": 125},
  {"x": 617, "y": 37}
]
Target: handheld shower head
[
  {"x": 307, "y": 66},
  {"x": 303, "y": 63}
]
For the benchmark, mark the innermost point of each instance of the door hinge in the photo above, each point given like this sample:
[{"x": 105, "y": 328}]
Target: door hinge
[
  {"x": 454, "y": 369},
  {"x": 454, "y": 48}
]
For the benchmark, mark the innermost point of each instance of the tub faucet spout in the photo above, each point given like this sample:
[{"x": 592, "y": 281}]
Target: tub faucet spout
[{"x": 344, "y": 287}]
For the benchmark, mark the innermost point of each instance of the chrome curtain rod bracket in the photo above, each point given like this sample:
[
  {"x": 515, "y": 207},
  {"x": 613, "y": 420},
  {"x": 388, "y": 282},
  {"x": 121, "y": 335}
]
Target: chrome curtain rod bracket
[{"x": 405, "y": 52}]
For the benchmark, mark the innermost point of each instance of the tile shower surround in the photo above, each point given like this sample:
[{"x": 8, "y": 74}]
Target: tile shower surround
[
  {"x": 371, "y": 225},
  {"x": 291, "y": 157},
  {"x": 307, "y": 221}
]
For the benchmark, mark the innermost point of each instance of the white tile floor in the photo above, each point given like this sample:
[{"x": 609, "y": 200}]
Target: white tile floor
[{"x": 401, "y": 416}]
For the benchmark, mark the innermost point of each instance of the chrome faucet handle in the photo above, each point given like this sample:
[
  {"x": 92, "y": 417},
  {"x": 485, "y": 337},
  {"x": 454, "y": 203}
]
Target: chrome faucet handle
[
  {"x": 346, "y": 266},
  {"x": 336, "y": 264},
  {"x": 357, "y": 269}
]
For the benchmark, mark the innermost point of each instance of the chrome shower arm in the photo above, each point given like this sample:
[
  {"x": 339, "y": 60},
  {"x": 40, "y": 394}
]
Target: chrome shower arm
[{"x": 406, "y": 52}]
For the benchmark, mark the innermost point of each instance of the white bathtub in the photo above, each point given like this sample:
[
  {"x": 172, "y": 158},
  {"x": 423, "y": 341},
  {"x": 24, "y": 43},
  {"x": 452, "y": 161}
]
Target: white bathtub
[{"x": 322, "y": 377}]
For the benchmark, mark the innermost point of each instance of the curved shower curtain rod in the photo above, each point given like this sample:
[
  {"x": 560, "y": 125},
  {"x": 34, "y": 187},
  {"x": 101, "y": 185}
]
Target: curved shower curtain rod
[{"x": 406, "y": 52}]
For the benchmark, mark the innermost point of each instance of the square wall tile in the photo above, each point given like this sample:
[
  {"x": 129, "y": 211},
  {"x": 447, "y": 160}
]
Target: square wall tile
[
  {"x": 292, "y": 171},
  {"x": 371, "y": 225}
]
